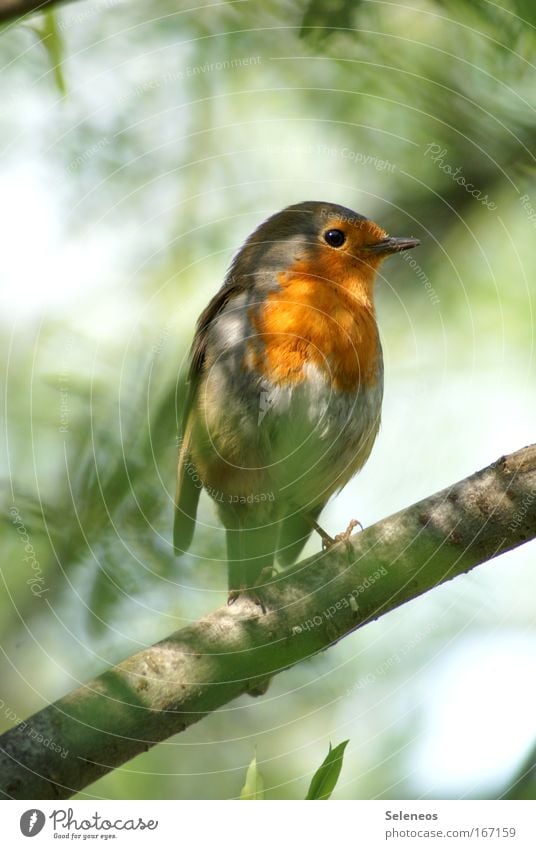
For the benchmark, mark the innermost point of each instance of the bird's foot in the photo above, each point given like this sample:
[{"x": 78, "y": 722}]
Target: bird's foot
[
  {"x": 345, "y": 536},
  {"x": 254, "y": 593},
  {"x": 328, "y": 542},
  {"x": 256, "y": 596},
  {"x": 251, "y": 593}
]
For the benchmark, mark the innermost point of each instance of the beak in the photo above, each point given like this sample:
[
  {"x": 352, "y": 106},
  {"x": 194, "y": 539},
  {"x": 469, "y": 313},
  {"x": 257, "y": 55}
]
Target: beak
[{"x": 393, "y": 245}]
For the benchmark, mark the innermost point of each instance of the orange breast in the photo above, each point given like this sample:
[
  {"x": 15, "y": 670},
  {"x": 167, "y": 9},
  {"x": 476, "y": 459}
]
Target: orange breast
[{"x": 324, "y": 316}]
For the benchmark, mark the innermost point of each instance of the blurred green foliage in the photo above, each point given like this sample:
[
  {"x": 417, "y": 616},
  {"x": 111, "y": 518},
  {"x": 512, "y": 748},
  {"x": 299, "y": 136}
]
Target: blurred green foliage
[{"x": 158, "y": 138}]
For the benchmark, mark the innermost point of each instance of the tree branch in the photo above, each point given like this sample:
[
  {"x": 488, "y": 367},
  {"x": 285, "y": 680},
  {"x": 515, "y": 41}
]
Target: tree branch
[
  {"x": 11, "y": 9},
  {"x": 166, "y": 688}
]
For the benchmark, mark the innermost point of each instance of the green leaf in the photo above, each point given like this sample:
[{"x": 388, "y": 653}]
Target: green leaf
[
  {"x": 327, "y": 775},
  {"x": 254, "y": 786},
  {"x": 53, "y": 44}
]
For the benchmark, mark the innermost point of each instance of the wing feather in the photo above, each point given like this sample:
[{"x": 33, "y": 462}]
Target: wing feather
[{"x": 188, "y": 483}]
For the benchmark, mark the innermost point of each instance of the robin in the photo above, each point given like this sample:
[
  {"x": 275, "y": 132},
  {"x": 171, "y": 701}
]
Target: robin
[{"x": 285, "y": 386}]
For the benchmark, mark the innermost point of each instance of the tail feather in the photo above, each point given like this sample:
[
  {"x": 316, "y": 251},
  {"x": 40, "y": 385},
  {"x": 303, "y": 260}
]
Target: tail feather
[{"x": 187, "y": 499}]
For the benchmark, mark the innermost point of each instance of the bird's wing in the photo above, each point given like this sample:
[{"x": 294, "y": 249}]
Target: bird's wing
[{"x": 188, "y": 483}]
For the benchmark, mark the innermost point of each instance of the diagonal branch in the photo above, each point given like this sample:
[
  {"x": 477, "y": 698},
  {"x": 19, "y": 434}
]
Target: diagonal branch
[
  {"x": 166, "y": 688},
  {"x": 12, "y": 9}
]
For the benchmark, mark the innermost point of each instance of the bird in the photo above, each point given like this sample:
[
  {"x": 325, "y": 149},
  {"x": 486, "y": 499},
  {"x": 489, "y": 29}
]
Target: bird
[{"x": 285, "y": 386}]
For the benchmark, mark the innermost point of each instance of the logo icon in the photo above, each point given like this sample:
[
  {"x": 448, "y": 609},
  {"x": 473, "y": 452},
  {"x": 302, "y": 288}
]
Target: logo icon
[{"x": 31, "y": 822}]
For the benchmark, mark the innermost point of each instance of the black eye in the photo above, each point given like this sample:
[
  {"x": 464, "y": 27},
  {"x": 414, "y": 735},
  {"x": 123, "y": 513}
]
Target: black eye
[{"x": 335, "y": 238}]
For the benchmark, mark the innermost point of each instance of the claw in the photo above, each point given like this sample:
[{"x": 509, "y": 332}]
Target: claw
[
  {"x": 251, "y": 593},
  {"x": 255, "y": 596},
  {"x": 345, "y": 536},
  {"x": 328, "y": 542}
]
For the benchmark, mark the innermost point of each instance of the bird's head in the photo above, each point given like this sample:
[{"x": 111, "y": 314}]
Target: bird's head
[{"x": 321, "y": 240}]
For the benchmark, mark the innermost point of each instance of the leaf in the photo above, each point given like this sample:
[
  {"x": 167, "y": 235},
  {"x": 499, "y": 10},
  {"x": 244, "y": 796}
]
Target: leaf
[
  {"x": 327, "y": 775},
  {"x": 53, "y": 44},
  {"x": 254, "y": 786}
]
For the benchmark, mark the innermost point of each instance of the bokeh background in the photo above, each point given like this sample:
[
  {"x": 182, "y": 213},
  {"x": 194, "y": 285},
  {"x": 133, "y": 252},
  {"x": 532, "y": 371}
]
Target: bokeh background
[{"x": 141, "y": 143}]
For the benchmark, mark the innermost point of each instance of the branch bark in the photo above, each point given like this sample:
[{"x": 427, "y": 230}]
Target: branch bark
[
  {"x": 12, "y": 9},
  {"x": 235, "y": 650}
]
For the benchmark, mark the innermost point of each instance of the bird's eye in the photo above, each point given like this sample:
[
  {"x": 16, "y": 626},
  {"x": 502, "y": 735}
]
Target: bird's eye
[{"x": 335, "y": 238}]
